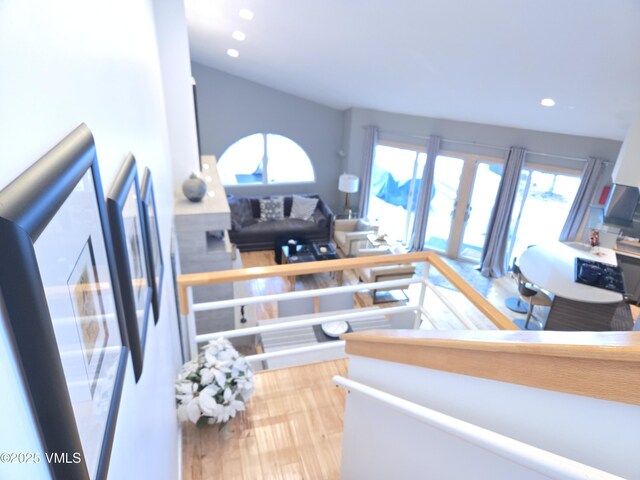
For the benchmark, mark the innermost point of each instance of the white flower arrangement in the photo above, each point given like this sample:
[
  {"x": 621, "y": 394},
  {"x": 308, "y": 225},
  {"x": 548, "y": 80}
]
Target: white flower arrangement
[{"x": 215, "y": 386}]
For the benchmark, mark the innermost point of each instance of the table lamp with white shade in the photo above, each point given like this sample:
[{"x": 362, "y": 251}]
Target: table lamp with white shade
[{"x": 348, "y": 184}]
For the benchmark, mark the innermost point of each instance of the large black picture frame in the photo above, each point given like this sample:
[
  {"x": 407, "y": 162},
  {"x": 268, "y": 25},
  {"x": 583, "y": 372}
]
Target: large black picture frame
[
  {"x": 124, "y": 208},
  {"x": 154, "y": 245},
  {"x": 38, "y": 231}
]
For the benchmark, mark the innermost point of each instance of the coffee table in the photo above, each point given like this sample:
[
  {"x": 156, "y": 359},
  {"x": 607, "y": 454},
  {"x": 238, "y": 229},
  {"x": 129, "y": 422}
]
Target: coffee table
[{"x": 309, "y": 252}]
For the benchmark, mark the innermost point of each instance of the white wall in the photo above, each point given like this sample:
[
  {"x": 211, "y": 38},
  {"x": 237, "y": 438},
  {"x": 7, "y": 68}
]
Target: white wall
[
  {"x": 175, "y": 66},
  {"x": 380, "y": 442},
  {"x": 598, "y": 433},
  {"x": 74, "y": 61}
]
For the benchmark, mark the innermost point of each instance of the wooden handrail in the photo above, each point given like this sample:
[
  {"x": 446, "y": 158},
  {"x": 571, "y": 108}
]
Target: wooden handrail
[
  {"x": 602, "y": 365},
  {"x": 481, "y": 303},
  {"x": 198, "y": 279},
  {"x": 291, "y": 269}
]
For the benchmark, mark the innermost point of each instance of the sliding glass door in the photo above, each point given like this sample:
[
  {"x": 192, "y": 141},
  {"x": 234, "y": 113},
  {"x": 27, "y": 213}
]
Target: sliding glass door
[
  {"x": 542, "y": 204},
  {"x": 395, "y": 182}
]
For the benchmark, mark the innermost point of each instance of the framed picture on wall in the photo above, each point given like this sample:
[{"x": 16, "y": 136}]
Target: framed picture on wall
[
  {"x": 152, "y": 235},
  {"x": 60, "y": 293},
  {"x": 124, "y": 208}
]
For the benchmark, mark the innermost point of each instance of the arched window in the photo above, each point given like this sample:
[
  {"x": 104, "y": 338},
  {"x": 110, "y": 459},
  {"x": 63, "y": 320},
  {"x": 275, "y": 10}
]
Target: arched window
[{"x": 264, "y": 158}]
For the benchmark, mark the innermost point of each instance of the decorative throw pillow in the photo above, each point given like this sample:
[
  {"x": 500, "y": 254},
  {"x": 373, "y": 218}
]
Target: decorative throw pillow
[
  {"x": 271, "y": 209},
  {"x": 303, "y": 207},
  {"x": 241, "y": 214}
]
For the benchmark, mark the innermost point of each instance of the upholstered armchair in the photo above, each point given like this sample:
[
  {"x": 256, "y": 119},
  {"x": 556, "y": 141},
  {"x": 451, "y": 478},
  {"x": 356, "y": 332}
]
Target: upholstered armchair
[
  {"x": 384, "y": 272},
  {"x": 351, "y": 235}
]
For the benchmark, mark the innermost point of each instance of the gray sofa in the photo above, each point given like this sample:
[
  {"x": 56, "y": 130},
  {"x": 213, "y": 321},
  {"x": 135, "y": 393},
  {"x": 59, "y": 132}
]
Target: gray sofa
[{"x": 249, "y": 234}]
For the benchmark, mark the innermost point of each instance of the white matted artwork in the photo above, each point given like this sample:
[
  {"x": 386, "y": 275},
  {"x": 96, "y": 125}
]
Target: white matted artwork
[
  {"x": 61, "y": 307},
  {"x": 73, "y": 266},
  {"x": 124, "y": 207},
  {"x": 137, "y": 263},
  {"x": 152, "y": 236}
]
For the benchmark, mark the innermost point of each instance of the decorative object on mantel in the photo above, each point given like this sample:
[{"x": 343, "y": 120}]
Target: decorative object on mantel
[
  {"x": 348, "y": 183},
  {"x": 194, "y": 188},
  {"x": 215, "y": 386}
]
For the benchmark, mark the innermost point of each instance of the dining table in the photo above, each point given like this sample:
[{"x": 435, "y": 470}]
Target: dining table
[{"x": 575, "y": 306}]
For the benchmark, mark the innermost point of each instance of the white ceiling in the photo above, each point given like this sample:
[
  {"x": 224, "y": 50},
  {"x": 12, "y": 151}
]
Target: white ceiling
[{"x": 488, "y": 61}]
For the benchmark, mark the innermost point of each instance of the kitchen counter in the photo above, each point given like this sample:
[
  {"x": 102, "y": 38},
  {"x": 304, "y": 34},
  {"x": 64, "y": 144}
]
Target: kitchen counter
[
  {"x": 552, "y": 267},
  {"x": 575, "y": 306}
]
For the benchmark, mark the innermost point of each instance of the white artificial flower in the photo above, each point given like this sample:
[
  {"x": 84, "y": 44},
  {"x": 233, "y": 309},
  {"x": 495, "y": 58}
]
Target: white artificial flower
[
  {"x": 221, "y": 378},
  {"x": 227, "y": 395},
  {"x": 245, "y": 386},
  {"x": 189, "y": 408},
  {"x": 206, "y": 376},
  {"x": 239, "y": 367},
  {"x": 191, "y": 366},
  {"x": 226, "y": 355},
  {"x": 227, "y": 414},
  {"x": 210, "y": 356},
  {"x": 224, "y": 367},
  {"x": 208, "y": 403},
  {"x": 185, "y": 390},
  {"x": 227, "y": 379}
]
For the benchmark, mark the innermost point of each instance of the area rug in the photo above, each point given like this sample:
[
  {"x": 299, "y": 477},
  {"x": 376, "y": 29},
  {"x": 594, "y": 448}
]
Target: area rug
[{"x": 467, "y": 271}]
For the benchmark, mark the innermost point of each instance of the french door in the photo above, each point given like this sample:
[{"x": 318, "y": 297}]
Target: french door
[{"x": 464, "y": 192}]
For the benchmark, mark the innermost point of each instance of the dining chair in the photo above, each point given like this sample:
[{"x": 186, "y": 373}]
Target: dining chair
[
  {"x": 533, "y": 296},
  {"x": 516, "y": 304}
]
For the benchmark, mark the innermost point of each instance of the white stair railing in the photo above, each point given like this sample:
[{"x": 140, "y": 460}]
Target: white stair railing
[{"x": 188, "y": 308}]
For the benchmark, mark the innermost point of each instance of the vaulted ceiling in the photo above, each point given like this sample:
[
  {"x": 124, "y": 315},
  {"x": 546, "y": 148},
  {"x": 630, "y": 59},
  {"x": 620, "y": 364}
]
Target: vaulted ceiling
[{"x": 489, "y": 61}]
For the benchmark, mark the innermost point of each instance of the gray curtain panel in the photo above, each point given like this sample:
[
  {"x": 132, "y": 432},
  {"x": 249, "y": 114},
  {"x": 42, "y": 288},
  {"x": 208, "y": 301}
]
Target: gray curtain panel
[
  {"x": 492, "y": 263},
  {"x": 368, "y": 152},
  {"x": 590, "y": 178},
  {"x": 424, "y": 195}
]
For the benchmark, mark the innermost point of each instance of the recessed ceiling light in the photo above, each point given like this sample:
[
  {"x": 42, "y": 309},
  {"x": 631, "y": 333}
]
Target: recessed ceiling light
[
  {"x": 238, "y": 35},
  {"x": 232, "y": 52},
  {"x": 246, "y": 14},
  {"x": 547, "y": 102}
]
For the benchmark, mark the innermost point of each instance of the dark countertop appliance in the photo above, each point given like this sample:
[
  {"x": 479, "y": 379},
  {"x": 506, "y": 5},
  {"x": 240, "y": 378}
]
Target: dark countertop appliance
[{"x": 599, "y": 275}]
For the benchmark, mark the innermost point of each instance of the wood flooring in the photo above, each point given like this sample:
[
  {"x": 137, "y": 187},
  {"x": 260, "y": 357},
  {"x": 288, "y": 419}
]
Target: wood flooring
[{"x": 292, "y": 429}]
